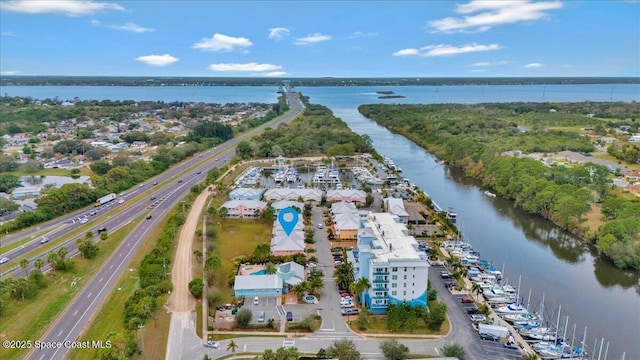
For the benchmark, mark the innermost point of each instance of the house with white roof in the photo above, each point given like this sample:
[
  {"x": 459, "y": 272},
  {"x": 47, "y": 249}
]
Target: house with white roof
[
  {"x": 395, "y": 206},
  {"x": 346, "y": 226},
  {"x": 343, "y": 207},
  {"x": 314, "y": 195},
  {"x": 246, "y": 194},
  {"x": 389, "y": 258},
  {"x": 250, "y": 286},
  {"x": 244, "y": 209},
  {"x": 348, "y": 195},
  {"x": 283, "y": 244}
]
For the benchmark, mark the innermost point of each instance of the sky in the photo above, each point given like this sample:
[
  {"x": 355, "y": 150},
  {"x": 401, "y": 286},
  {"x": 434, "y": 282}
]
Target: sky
[{"x": 320, "y": 38}]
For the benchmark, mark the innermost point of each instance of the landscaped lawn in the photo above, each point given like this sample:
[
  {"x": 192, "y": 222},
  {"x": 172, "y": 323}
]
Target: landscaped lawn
[
  {"x": 378, "y": 325},
  {"x": 240, "y": 237}
]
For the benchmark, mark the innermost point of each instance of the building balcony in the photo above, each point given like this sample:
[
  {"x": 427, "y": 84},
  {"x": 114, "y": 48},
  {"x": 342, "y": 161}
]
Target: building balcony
[
  {"x": 379, "y": 288},
  {"x": 380, "y": 273},
  {"x": 375, "y": 281}
]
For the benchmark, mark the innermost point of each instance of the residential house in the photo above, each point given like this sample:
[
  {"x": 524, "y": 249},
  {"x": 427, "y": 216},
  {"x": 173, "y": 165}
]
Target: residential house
[
  {"x": 634, "y": 138},
  {"x": 279, "y": 205},
  {"x": 346, "y": 226},
  {"x": 632, "y": 175},
  {"x": 343, "y": 207},
  {"x": 250, "y": 286},
  {"x": 356, "y": 196},
  {"x": 283, "y": 244},
  {"x": 313, "y": 195},
  {"x": 246, "y": 194},
  {"x": 395, "y": 206},
  {"x": 244, "y": 209}
]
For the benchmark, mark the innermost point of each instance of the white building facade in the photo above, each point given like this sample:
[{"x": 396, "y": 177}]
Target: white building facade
[{"x": 390, "y": 259}]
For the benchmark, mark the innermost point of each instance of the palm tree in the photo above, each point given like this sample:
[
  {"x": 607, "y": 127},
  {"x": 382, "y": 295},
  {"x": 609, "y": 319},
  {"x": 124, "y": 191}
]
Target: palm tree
[
  {"x": 38, "y": 264},
  {"x": 359, "y": 287},
  {"x": 530, "y": 356},
  {"x": 476, "y": 288},
  {"x": 300, "y": 289},
  {"x": 62, "y": 252},
  {"x": 223, "y": 212},
  {"x": 232, "y": 347},
  {"x": 52, "y": 259},
  {"x": 269, "y": 268},
  {"x": 315, "y": 284},
  {"x": 24, "y": 263}
]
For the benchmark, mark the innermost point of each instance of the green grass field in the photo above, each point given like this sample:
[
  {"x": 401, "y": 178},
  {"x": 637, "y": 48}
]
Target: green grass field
[
  {"x": 29, "y": 319},
  {"x": 378, "y": 325}
]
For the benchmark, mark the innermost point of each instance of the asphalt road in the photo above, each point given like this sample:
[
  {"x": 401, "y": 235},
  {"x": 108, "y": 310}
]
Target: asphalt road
[{"x": 69, "y": 325}]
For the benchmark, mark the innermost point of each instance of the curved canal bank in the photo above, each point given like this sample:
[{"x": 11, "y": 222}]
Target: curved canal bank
[{"x": 592, "y": 292}]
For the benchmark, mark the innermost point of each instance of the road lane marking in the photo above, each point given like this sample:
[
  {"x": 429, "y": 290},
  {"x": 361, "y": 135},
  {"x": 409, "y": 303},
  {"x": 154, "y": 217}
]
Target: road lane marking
[
  {"x": 101, "y": 279},
  {"x": 89, "y": 295},
  {"x": 60, "y": 333},
  {"x": 75, "y": 313},
  {"x": 111, "y": 267}
]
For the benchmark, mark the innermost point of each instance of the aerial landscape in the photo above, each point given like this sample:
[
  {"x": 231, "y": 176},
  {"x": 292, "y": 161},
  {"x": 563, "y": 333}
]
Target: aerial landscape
[{"x": 278, "y": 180}]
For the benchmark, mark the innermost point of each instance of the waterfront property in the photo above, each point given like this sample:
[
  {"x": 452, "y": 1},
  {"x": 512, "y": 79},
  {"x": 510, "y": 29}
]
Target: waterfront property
[
  {"x": 283, "y": 244},
  {"x": 346, "y": 226},
  {"x": 314, "y": 195},
  {"x": 348, "y": 195},
  {"x": 396, "y": 207},
  {"x": 390, "y": 259},
  {"x": 279, "y": 205},
  {"x": 246, "y": 194},
  {"x": 25, "y": 192}
]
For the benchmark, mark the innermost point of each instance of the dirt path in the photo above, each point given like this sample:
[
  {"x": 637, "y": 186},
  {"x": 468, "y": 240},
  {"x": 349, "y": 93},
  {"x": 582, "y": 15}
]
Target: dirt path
[{"x": 180, "y": 299}]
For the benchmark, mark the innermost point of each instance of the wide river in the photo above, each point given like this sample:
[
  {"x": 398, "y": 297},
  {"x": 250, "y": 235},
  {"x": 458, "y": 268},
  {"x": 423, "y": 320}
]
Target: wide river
[{"x": 592, "y": 292}]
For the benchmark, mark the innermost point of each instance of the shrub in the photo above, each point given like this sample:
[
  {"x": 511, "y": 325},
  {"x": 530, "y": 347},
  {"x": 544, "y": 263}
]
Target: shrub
[{"x": 243, "y": 317}]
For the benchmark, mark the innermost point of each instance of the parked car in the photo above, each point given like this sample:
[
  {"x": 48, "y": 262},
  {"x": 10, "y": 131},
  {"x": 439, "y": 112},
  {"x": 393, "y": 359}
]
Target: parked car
[
  {"x": 256, "y": 301},
  {"x": 320, "y": 226},
  {"x": 477, "y": 318},
  {"x": 511, "y": 345},
  {"x": 472, "y": 310},
  {"x": 485, "y": 336},
  {"x": 44, "y": 240},
  {"x": 466, "y": 300},
  {"x": 289, "y": 316},
  {"x": 346, "y": 306},
  {"x": 445, "y": 275},
  {"x": 261, "y": 316},
  {"x": 349, "y": 311},
  {"x": 211, "y": 344}
]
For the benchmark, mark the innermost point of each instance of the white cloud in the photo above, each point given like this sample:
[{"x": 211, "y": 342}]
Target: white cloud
[
  {"x": 312, "y": 39},
  {"x": 10, "y": 72},
  {"x": 482, "y": 15},
  {"x": 158, "y": 60},
  {"x": 132, "y": 27},
  {"x": 275, "y": 73},
  {"x": 8, "y": 33},
  {"x": 406, "y": 52},
  {"x": 252, "y": 66},
  {"x": 221, "y": 42},
  {"x": 65, "y": 7},
  {"x": 489, "y": 63},
  {"x": 447, "y": 50},
  {"x": 278, "y": 33},
  {"x": 532, "y": 66},
  {"x": 360, "y": 34}
]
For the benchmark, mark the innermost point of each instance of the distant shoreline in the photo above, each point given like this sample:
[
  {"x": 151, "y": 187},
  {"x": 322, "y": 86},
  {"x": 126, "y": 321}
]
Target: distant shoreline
[{"x": 16, "y": 80}]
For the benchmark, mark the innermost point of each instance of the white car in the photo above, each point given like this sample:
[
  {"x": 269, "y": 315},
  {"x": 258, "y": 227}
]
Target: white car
[
  {"x": 121, "y": 201},
  {"x": 4, "y": 260},
  {"x": 212, "y": 344},
  {"x": 44, "y": 240},
  {"x": 84, "y": 221},
  {"x": 346, "y": 306},
  {"x": 320, "y": 226}
]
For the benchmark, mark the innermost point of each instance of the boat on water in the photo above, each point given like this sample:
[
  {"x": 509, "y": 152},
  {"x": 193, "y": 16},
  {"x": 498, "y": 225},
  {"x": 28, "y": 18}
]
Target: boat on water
[
  {"x": 516, "y": 308},
  {"x": 452, "y": 215},
  {"x": 489, "y": 194},
  {"x": 512, "y": 318}
]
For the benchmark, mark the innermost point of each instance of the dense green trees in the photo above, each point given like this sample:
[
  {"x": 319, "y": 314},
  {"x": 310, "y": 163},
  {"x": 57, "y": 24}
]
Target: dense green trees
[
  {"x": 393, "y": 350},
  {"x": 475, "y": 137},
  {"x": 316, "y": 132},
  {"x": 343, "y": 350},
  {"x": 9, "y": 182},
  {"x": 196, "y": 286}
]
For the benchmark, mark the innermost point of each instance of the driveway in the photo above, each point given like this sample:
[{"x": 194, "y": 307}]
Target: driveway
[{"x": 333, "y": 325}]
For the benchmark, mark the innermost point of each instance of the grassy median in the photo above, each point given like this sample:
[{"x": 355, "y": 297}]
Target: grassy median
[{"x": 29, "y": 319}]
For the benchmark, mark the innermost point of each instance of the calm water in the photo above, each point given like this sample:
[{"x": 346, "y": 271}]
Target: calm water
[
  {"x": 591, "y": 291},
  {"x": 58, "y": 181}
]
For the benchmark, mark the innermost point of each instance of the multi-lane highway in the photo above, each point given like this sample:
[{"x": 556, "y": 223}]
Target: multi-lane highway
[{"x": 74, "y": 318}]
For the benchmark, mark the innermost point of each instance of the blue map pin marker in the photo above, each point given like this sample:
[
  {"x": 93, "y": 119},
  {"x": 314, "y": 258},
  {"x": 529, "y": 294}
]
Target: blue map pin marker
[{"x": 288, "y": 218}]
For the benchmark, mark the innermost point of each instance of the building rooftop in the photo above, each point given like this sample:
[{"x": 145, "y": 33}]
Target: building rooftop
[
  {"x": 255, "y": 282},
  {"x": 391, "y": 240}
]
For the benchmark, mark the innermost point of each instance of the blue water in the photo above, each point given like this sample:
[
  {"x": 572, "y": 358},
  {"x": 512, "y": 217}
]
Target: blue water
[{"x": 261, "y": 272}]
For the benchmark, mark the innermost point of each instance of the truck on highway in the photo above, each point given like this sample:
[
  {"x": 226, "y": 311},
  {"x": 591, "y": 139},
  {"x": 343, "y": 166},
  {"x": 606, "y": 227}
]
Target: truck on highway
[
  {"x": 105, "y": 199},
  {"x": 499, "y": 331}
]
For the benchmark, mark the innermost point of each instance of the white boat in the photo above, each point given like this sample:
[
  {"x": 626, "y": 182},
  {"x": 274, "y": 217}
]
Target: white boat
[
  {"x": 489, "y": 194},
  {"x": 516, "y": 308},
  {"x": 512, "y": 318}
]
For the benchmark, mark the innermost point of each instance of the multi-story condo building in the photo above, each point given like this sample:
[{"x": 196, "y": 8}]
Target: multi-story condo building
[{"x": 390, "y": 259}]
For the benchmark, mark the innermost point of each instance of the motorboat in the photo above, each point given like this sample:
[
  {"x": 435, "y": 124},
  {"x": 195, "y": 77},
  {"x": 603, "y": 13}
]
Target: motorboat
[
  {"x": 516, "y": 308},
  {"x": 513, "y": 318},
  {"x": 489, "y": 194}
]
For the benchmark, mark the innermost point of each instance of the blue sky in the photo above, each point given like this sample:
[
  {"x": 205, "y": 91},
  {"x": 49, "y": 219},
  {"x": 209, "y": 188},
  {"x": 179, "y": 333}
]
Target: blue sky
[{"x": 320, "y": 38}]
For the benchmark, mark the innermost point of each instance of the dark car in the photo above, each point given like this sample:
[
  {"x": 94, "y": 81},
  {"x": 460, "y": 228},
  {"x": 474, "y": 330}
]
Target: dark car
[
  {"x": 289, "y": 316},
  {"x": 485, "y": 336},
  {"x": 148, "y": 217},
  {"x": 179, "y": 181},
  {"x": 472, "y": 310},
  {"x": 102, "y": 229},
  {"x": 445, "y": 275}
]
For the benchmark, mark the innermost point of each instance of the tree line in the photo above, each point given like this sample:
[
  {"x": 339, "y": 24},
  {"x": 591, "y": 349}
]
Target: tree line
[{"x": 475, "y": 138}]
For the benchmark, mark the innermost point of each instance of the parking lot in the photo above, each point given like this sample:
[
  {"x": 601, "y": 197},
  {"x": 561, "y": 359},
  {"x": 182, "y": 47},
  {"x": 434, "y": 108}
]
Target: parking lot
[{"x": 277, "y": 312}]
